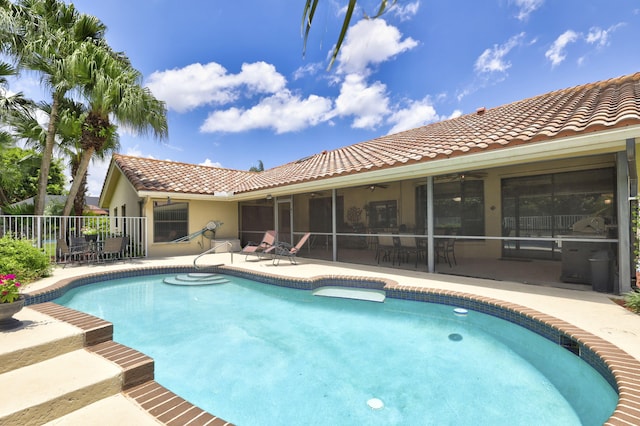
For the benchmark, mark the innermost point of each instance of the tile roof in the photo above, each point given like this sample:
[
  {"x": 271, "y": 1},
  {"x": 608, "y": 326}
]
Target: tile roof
[
  {"x": 146, "y": 174},
  {"x": 599, "y": 106}
]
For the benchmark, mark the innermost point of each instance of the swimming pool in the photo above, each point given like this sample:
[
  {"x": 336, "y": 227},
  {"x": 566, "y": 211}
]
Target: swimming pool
[{"x": 255, "y": 354}]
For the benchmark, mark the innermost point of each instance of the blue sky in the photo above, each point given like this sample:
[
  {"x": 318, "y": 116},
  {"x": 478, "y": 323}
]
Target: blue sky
[{"x": 239, "y": 90}]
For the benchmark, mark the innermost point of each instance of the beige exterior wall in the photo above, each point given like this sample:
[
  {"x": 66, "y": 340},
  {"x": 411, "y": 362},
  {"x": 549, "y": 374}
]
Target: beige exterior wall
[
  {"x": 200, "y": 213},
  {"x": 123, "y": 195}
]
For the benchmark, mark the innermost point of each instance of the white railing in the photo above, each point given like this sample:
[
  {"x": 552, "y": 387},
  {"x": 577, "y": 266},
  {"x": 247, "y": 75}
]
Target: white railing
[
  {"x": 44, "y": 231},
  {"x": 535, "y": 223},
  {"x": 212, "y": 250}
]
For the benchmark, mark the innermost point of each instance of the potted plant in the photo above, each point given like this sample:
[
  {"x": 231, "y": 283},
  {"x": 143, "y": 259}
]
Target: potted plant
[
  {"x": 11, "y": 301},
  {"x": 90, "y": 234}
]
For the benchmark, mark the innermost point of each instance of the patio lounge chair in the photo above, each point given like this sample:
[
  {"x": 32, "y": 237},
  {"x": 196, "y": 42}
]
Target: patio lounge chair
[
  {"x": 259, "y": 249},
  {"x": 286, "y": 250}
]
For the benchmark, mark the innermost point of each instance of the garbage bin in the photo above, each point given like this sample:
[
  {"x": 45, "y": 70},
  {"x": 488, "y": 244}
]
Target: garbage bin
[{"x": 600, "y": 264}]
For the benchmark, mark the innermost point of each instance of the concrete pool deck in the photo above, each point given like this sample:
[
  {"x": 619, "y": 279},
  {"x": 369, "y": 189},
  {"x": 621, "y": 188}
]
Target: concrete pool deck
[{"x": 590, "y": 311}]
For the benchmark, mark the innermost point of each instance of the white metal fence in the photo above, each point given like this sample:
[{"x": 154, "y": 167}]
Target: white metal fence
[
  {"x": 44, "y": 231},
  {"x": 559, "y": 223}
]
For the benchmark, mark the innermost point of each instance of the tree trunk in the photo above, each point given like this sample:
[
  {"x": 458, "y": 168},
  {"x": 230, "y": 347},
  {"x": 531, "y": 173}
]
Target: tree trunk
[
  {"x": 47, "y": 155},
  {"x": 77, "y": 179},
  {"x": 79, "y": 200},
  {"x": 4, "y": 201}
]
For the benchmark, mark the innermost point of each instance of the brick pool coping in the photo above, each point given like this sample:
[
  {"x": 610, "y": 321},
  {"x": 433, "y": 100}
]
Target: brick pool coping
[{"x": 620, "y": 369}]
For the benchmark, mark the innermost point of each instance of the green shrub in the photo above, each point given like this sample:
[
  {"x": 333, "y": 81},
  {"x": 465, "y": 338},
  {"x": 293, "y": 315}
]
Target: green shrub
[
  {"x": 19, "y": 257},
  {"x": 632, "y": 301}
]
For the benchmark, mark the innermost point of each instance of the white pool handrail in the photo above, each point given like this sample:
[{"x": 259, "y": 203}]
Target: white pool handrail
[{"x": 213, "y": 249}]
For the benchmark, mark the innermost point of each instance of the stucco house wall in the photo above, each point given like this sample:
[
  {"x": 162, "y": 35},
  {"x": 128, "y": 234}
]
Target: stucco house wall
[{"x": 200, "y": 213}]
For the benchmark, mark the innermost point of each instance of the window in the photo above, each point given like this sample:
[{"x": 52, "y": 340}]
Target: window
[
  {"x": 383, "y": 214},
  {"x": 458, "y": 207},
  {"x": 170, "y": 222},
  {"x": 320, "y": 213},
  {"x": 115, "y": 215},
  {"x": 550, "y": 205}
]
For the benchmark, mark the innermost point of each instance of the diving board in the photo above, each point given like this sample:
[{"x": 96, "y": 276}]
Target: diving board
[{"x": 368, "y": 294}]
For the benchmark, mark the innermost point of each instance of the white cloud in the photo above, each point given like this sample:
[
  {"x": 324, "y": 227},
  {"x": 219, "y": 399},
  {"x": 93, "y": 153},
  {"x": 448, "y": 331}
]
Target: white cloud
[
  {"x": 274, "y": 106},
  {"x": 493, "y": 60},
  {"x": 210, "y": 163},
  {"x": 283, "y": 112},
  {"x": 455, "y": 114},
  {"x": 418, "y": 113},
  {"x": 600, "y": 37},
  {"x": 371, "y": 42},
  {"x": 196, "y": 85},
  {"x": 309, "y": 69},
  {"x": 557, "y": 52},
  {"x": 368, "y": 103},
  {"x": 407, "y": 11},
  {"x": 137, "y": 152},
  {"x": 96, "y": 174},
  {"x": 527, "y": 7}
]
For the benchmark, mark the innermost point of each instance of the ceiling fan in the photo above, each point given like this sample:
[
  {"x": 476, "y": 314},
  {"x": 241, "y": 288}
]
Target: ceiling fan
[
  {"x": 461, "y": 176},
  {"x": 372, "y": 187}
]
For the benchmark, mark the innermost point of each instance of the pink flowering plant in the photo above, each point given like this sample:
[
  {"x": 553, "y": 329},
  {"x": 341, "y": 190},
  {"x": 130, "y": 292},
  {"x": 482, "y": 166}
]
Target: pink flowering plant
[{"x": 9, "y": 288}]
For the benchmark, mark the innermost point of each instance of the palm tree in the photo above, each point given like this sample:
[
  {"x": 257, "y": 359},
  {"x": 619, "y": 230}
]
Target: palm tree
[
  {"x": 9, "y": 102},
  {"x": 309, "y": 13},
  {"x": 112, "y": 89},
  {"x": 72, "y": 117},
  {"x": 258, "y": 168},
  {"x": 46, "y": 35}
]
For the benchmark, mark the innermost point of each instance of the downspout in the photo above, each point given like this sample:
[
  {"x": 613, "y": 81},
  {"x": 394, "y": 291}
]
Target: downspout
[
  {"x": 430, "y": 226},
  {"x": 144, "y": 230},
  {"x": 624, "y": 224},
  {"x": 633, "y": 170},
  {"x": 334, "y": 226}
]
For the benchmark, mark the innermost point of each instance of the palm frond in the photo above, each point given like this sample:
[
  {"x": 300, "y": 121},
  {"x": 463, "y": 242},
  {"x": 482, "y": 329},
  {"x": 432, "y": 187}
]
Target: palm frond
[{"x": 308, "y": 14}]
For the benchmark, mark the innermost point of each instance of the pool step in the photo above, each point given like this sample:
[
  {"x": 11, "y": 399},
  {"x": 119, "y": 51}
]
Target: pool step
[
  {"x": 196, "y": 278},
  {"x": 367, "y": 294}
]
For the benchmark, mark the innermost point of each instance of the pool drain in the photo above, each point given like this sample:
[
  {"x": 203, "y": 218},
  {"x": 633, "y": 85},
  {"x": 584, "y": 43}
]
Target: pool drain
[
  {"x": 375, "y": 403},
  {"x": 455, "y": 337}
]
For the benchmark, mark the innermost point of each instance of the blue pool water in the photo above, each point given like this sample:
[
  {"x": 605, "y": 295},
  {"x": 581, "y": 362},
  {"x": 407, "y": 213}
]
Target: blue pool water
[{"x": 257, "y": 354}]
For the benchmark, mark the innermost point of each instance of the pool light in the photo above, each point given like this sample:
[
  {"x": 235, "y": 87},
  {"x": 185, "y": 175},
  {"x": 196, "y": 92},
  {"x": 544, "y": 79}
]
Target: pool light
[{"x": 375, "y": 404}]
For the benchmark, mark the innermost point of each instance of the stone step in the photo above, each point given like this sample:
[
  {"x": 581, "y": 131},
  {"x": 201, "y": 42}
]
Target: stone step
[
  {"x": 199, "y": 276},
  {"x": 191, "y": 275},
  {"x": 188, "y": 280},
  {"x": 43, "y": 335},
  {"x": 47, "y": 390},
  {"x": 113, "y": 410}
]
